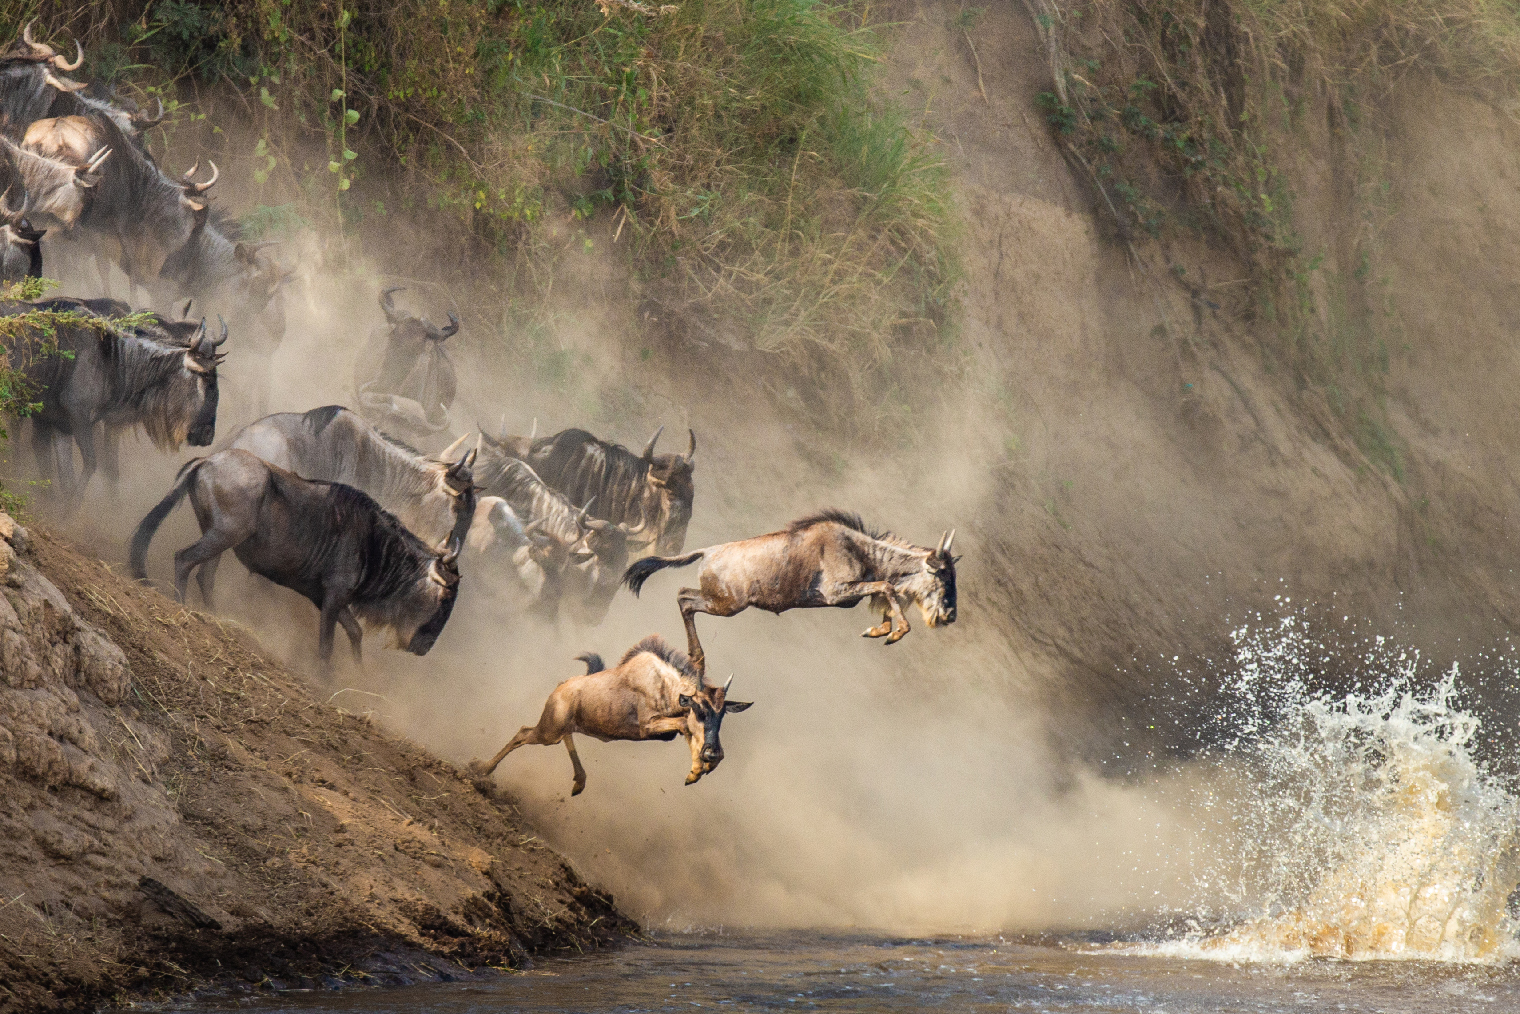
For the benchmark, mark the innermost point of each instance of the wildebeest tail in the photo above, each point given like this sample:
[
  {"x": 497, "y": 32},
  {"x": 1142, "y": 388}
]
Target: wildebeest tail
[
  {"x": 148, "y": 527},
  {"x": 635, "y": 576},
  {"x": 593, "y": 662}
]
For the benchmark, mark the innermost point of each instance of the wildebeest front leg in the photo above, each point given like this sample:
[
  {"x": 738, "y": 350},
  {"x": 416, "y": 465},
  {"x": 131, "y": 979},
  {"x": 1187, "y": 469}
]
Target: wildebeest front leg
[
  {"x": 351, "y": 628},
  {"x": 333, "y": 605},
  {"x": 880, "y": 591}
]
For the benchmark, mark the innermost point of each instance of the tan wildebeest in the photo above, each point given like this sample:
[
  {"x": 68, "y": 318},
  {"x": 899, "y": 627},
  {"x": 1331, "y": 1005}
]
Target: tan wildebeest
[
  {"x": 654, "y": 693},
  {"x": 826, "y": 559}
]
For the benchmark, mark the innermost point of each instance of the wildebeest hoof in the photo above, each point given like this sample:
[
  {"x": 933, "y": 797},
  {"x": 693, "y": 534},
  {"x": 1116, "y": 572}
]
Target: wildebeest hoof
[
  {"x": 578, "y": 788},
  {"x": 692, "y": 778},
  {"x": 881, "y": 631},
  {"x": 476, "y": 768},
  {"x": 896, "y": 635}
]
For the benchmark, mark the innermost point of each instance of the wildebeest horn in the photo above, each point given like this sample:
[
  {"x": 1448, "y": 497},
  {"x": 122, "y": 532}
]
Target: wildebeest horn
[
  {"x": 142, "y": 122},
  {"x": 480, "y": 441},
  {"x": 223, "y": 339},
  {"x": 692, "y": 452},
  {"x": 63, "y": 85},
  {"x": 531, "y": 433},
  {"x": 41, "y": 47},
  {"x": 944, "y": 542},
  {"x": 184, "y": 314},
  {"x": 11, "y": 215},
  {"x": 728, "y": 684},
  {"x": 453, "y": 327},
  {"x": 201, "y": 188},
  {"x": 502, "y": 429},
  {"x": 448, "y": 452},
  {"x": 199, "y": 336},
  {"x": 62, "y": 64},
  {"x": 387, "y": 305},
  {"x": 648, "y": 454},
  {"x": 468, "y": 461},
  {"x": 580, "y": 518}
]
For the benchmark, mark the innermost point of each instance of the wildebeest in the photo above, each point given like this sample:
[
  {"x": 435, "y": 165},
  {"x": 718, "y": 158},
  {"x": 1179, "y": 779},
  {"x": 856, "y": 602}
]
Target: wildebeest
[
  {"x": 654, "y": 693},
  {"x": 328, "y": 541},
  {"x": 650, "y": 493},
  {"x": 334, "y": 444},
  {"x": 404, "y": 380},
  {"x": 581, "y": 559},
  {"x": 55, "y": 188},
  {"x": 160, "y": 374},
  {"x": 826, "y": 559}
]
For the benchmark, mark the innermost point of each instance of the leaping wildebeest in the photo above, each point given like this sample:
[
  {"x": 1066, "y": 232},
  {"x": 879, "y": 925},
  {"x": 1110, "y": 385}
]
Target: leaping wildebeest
[
  {"x": 159, "y": 374},
  {"x": 653, "y": 693},
  {"x": 327, "y": 541},
  {"x": 647, "y": 492},
  {"x": 334, "y": 444},
  {"x": 826, "y": 559}
]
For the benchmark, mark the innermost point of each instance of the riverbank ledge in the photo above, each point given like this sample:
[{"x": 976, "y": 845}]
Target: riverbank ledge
[{"x": 179, "y": 812}]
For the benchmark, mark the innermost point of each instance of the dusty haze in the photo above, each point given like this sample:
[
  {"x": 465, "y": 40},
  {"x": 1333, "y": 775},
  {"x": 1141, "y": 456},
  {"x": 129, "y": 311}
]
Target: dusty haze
[{"x": 1119, "y": 494}]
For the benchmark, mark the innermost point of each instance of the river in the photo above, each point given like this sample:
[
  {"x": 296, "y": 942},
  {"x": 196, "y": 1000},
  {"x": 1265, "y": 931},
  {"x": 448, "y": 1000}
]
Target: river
[{"x": 807, "y": 971}]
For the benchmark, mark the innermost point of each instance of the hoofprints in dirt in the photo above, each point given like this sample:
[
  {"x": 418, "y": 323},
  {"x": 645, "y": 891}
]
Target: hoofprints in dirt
[{"x": 176, "y": 811}]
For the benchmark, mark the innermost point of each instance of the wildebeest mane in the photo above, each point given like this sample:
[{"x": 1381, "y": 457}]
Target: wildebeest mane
[
  {"x": 587, "y": 467},
  {"x": 24, "y": 94},
  {"x": 851, "y": 520},
  {"x": 319, "y": 418},
  {"x": 142, "y": 369},
  {"x": 674, "y": 657},
  {"x": 515, "y": 481},
  {"x": 396, "y": 558}
]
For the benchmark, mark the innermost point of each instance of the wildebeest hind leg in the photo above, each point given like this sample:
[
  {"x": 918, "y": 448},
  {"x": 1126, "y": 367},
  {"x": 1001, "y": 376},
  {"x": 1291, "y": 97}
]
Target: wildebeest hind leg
[
  {"x": 575, "y": 761},
  {"x": 526, "y": 736},
  {"x": 206, "y": 579},
  {"x": 692, "y": 601},
  {"x": 209, "y": 546},
  {"x": 353, "y": 630}
]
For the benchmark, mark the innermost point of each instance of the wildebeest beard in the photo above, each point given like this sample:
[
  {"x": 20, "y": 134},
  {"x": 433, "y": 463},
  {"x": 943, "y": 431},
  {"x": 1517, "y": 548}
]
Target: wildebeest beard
[
  {"x": 174, "y": 405},
  {"x": 400, "y": 562}
]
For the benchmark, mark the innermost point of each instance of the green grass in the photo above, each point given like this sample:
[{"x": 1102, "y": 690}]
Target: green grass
[{"x": 756, "y": 184}]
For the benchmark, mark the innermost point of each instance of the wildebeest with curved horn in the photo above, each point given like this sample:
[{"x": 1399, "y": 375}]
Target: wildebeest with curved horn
[
  {"x": 327, "y": 541},
  {"x": 334, "y": 444},
  {"x": 654, "y": 693},
  {"x": 826, "y": 559},
  {"x": 649, "y": 493},
  {"x": 20, "y": 244},
  {"x": 404, "y": 380},
  {"x": 159, "y": 374},
  {"x": 586, "y": 558}
]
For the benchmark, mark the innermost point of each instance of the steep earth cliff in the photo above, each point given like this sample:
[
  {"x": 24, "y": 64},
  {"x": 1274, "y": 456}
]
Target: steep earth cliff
[{"x": 176, "y": 810}]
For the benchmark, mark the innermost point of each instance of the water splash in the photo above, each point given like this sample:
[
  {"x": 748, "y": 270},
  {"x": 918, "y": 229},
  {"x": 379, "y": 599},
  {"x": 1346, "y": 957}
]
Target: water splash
[{"x": 1359, "y": 826}]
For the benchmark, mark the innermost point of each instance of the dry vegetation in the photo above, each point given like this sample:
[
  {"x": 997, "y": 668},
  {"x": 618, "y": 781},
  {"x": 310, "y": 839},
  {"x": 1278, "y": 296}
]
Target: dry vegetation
[{"x": 1189, "y": 115}]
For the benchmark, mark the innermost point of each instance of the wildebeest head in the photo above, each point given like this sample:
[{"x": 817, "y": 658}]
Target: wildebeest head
[
  {"x": 20, "y": 244},
  {"x": 438, "y": 588},
  {"x": 704, "y": 719},
  {"x": 57, "y": 183},
  {"x": 668, "y": 502},
  {"x": 933, "y": 587},
  {"x": 200, "y": 383}
]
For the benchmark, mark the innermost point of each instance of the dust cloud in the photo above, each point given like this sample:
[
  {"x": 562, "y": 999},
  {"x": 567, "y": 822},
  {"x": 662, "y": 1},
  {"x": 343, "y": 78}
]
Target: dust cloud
[{"x": 906, "y": 787}]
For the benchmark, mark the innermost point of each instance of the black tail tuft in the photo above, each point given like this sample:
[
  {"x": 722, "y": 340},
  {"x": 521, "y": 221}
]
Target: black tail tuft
[
  {"x": 318, "y": 418},
  {"x": 593, "y": 662},
  {"x": 635, "y": 576},
  {"x": 146, "y": 529}
]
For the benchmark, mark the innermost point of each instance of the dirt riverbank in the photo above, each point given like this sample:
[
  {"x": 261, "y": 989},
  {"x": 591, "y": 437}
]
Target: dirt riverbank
[{"x": 180, "y": 812}]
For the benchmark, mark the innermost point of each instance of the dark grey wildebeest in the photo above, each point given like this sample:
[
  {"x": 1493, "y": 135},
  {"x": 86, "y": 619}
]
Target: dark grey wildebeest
[
  {"x": 20, "y": 244},
  {"x": 404, "y": 380},
  {"x": 159, "y": 375},
  {"x": 653, "y": 693},
  {"x": 648, "y": 493},
  {"x": 334, "y": 444},
  {"x": 581, "y": 559},
  {"x": 327, "y": 541},
  {"x": 826, "y": 559}
]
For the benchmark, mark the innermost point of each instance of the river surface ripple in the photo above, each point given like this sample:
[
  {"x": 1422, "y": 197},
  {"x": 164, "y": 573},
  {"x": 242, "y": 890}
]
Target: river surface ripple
[{"x": 810, "y": 971}]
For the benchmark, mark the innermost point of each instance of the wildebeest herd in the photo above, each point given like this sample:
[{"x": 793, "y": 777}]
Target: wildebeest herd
[{"x": 348, "y": 507}]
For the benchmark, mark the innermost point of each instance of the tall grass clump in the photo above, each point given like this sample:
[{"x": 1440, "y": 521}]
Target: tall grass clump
[{"x": 731, "y": 151}]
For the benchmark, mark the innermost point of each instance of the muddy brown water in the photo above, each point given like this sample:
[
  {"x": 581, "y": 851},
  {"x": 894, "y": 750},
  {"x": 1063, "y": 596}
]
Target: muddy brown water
[{"x": 808, "y": 971}]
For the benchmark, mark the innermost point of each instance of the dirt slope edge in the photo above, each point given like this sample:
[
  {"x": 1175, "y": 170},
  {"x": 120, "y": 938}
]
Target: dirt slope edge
[{"x": 177, "y": 811}]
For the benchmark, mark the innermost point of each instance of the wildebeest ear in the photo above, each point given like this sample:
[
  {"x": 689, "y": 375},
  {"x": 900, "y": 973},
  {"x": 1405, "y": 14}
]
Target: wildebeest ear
[
  {"x": 684, "y": 700},
  {"x": 737, "y": 706}
]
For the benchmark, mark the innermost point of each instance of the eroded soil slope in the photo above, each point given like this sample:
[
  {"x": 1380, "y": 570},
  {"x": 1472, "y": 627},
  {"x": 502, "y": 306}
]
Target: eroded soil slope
[{"x": 177, "y": 809}]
